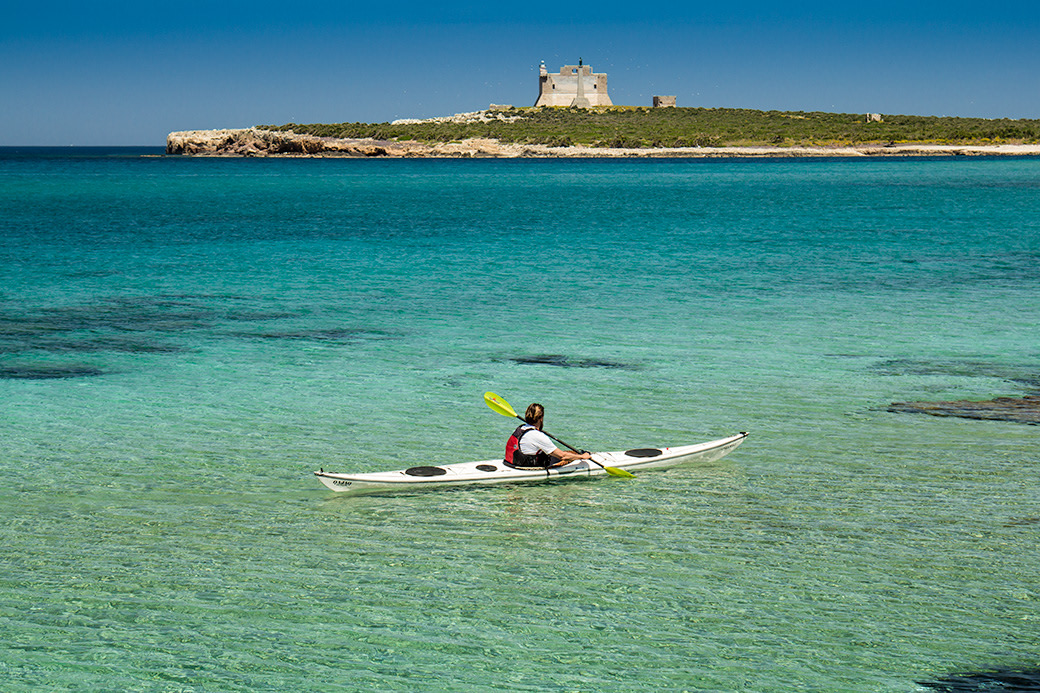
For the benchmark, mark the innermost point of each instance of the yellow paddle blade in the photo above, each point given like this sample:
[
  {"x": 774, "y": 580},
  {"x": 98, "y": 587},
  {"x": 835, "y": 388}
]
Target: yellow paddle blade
[
  {"x": 613, "y": 471},
  {"x": 498, "y": 404}
]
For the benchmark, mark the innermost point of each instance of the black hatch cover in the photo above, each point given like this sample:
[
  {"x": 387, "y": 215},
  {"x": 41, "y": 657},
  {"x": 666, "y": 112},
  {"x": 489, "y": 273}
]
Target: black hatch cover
[
  {"x": 643, "y": 452},
  {"x": 425, "y": 471}
]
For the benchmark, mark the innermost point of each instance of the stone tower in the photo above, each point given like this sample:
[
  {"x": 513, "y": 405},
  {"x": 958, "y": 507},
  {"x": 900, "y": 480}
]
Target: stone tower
[
  {"x": 575, "y": 85},
  {"x": 579, "y": 100}
]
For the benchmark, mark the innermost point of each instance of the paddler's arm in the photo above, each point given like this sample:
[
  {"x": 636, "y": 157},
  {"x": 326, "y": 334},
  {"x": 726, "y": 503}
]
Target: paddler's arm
[{"x": 568, "y": 456}]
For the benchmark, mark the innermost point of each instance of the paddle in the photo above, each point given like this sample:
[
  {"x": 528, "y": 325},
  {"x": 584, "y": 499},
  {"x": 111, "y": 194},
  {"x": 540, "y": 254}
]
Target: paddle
[{"x": 501, "y": 406}]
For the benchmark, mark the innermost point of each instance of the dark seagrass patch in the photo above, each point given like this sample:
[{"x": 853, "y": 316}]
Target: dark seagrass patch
[
  {"x": 1027, "y": 374},
  {"x": 48, "y": 372},
  {"x": 1014, "y": 409},
  {"x": 1004, "y": 680},
  {"x": 332, "y": 336},
  {"x": 135, "y": 325},
  {"x": 562, "y": 361}
]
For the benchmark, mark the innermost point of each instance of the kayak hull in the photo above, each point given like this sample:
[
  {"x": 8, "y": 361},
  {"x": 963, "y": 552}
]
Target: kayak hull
[{"x": 496, "y": 472}]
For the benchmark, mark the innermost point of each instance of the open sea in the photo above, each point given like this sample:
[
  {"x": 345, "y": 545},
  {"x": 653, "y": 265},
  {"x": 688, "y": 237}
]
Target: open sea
[{"x": 184, "y": 341}]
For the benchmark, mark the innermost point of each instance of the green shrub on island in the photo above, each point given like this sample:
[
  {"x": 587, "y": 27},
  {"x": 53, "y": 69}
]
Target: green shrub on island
[{"x": 639, "y": 127}]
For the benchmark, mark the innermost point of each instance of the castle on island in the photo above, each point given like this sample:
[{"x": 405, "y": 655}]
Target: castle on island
[
  {"x": 575, "y": 85},
  {"x": 580, "y": 87}
]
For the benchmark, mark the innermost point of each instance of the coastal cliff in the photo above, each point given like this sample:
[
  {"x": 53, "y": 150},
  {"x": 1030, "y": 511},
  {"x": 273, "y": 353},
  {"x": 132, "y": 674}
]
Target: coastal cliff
[{"x": 260, "y": 142}]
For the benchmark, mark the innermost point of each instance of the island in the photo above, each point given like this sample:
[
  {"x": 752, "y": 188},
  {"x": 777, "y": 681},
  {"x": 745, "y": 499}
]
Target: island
[{"x": 622, "y": 132}]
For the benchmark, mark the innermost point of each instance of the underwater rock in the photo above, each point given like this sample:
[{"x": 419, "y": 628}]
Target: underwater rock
[{"x": 1015, "y": 409}]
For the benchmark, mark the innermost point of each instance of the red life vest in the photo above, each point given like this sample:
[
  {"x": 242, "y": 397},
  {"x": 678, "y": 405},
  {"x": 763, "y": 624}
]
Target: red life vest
[{"x": 515, "y": 458}]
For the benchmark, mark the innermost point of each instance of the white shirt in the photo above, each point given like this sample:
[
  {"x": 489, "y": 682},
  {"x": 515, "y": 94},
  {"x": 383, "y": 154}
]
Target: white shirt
[{"x": 534, "y": 441}]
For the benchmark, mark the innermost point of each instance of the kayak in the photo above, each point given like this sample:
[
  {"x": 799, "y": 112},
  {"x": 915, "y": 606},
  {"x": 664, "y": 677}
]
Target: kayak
[{"x": 496, "y": 471}]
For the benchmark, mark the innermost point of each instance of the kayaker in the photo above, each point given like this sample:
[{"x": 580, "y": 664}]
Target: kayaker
[{"x": 529, "y": 447}]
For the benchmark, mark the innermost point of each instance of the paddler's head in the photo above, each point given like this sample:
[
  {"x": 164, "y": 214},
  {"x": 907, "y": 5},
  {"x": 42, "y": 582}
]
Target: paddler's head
[{"x": 535, "y": 415}]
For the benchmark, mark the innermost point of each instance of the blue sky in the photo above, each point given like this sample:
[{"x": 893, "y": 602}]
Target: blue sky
[{"x": 112, "y": 73}]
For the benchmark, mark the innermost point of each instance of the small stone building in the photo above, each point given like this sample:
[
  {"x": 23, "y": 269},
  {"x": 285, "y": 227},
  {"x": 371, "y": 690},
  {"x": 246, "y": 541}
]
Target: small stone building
[
  {"x": 575, "y": 85},
  {"x": 664, "y": 102}
]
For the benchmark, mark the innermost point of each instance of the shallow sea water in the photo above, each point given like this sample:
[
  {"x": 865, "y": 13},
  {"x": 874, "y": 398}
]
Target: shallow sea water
[{"x": 183, "y": 341}]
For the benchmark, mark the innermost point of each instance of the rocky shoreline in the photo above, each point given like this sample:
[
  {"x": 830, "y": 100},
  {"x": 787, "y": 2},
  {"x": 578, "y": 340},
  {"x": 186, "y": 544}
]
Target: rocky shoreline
[{"x": 258, "y": 142}]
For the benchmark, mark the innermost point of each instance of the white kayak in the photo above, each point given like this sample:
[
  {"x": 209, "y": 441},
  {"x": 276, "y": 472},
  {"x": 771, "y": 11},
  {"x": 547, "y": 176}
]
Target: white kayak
[{"x": 496, "y": 472}]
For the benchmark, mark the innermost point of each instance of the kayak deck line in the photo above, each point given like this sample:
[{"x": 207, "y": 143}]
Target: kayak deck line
[{"x": 487, "y": 472}]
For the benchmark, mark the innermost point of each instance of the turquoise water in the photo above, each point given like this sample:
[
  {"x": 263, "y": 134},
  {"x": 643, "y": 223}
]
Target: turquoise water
[{"x": 182, "y": 342}]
